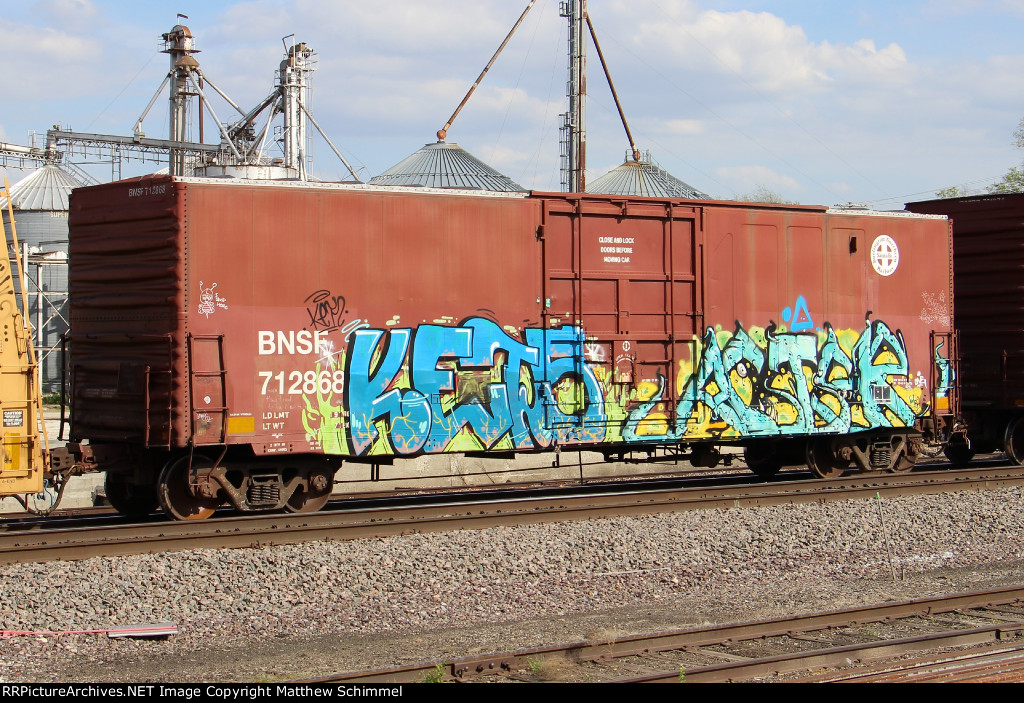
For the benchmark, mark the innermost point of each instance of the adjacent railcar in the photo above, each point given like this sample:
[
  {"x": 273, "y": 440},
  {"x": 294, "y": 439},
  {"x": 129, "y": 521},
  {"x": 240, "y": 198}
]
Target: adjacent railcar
[
  {"x": 988, "y": 276},
  {"x": 237, "y": 341}
]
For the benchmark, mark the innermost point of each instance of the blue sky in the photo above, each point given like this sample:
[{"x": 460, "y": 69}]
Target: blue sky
[{"x": 822, "y": 103}]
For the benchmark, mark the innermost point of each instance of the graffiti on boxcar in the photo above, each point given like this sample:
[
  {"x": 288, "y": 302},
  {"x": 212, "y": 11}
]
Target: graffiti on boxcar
[
  {"x": 935, "y": 310},
  {"x": 799, "y": 316},
  {"x": 210, "y": 300},
  {"x": 475, "y": 387},
  {"x": 594, "y": 353},
  {"x": 946, "y": 374},
  {"x": 326, "y": 311},
  {"x": 790, "y": 383},
  {"x": 462, "y": 388}
]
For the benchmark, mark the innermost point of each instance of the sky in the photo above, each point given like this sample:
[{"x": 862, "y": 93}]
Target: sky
[{"x": 823, "y": 103}]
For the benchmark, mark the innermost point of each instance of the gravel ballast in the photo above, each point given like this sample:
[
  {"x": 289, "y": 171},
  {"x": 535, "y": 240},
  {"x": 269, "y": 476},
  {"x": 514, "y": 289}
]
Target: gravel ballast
[{"x": 311, "y": 609}]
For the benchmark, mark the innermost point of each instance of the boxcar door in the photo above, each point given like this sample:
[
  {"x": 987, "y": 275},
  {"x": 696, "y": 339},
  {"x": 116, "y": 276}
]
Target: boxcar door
[{"x": 624, "y": 275}]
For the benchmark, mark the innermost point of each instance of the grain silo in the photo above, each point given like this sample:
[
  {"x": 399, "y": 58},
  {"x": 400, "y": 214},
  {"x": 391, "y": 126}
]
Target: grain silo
[
  {"x": 40, "y": 203},
  {"x": 444, "y": 165},
  {"x": 639, "y": 175}
]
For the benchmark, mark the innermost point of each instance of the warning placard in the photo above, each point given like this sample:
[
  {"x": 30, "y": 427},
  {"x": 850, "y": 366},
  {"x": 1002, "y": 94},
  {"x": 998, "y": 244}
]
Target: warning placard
[{"x": 14, "y": 418}]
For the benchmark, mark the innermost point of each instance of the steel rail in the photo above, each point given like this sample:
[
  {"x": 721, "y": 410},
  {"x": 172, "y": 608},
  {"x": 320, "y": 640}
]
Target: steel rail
[
  {"x": 617, "y": 648},
  {"x": 667, "y": 478},
  {"x": 277, "y": 529},
  {"x": 976, "y": 664},
  {"x": 829, "y": 657}
]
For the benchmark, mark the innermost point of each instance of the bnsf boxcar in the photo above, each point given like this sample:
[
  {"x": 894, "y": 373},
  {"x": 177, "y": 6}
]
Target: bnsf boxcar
[
  {"x": 988, "y": 277},
  {"x": 236, "y": 341}
]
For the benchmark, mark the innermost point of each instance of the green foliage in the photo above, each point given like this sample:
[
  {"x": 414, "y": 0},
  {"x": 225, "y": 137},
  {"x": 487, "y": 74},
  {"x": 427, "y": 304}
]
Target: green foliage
[
  {"x": 435, "y": 675},
  {"x": 952, "y": 192},
  {"x": 1013, "y": 182},
  {"x": 682, "y": 674}
]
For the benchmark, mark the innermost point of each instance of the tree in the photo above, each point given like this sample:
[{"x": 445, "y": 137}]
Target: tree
[
  {"x": 953, "y": 192},
  {"x": 763, "y": 194},
  {"x": 1012, "y": 181}
]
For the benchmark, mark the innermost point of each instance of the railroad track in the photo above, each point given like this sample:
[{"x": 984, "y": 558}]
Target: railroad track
[
  {"x": 1003, "y": 662},
  {"x": 968, "y": 636},
  {"x": 273, "y": 529},
  {"x": 101, "y": 515}
]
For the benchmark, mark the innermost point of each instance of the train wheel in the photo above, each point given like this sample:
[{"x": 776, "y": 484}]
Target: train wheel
[
  {"x": 177, "y": 498},
  {"x": 130, "y": 499},
  {"x": 959, "y": 455},
  {"x": 907, "y": 458},
  {"x": 1014, "y": 441},
  {"x": 823, "y": 460},
  {"x": 314, "y": 498},
  {"x": 763, "y": 460}
]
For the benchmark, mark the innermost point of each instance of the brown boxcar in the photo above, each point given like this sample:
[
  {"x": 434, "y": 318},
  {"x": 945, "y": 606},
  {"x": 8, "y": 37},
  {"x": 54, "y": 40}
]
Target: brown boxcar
[
  {"x": 988, "y": 277},
  {"x": 237, "y": 340}
]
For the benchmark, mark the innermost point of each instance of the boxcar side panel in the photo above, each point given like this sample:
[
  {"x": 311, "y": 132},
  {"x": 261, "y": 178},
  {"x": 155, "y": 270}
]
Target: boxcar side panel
[
  {"x": 126, "y": 295},
  {"x": 366, "y": 322},
  {"x": 988, "y": 270},
  {"x": 371, "y": 322},
  {"x": 814, "y": 327}
]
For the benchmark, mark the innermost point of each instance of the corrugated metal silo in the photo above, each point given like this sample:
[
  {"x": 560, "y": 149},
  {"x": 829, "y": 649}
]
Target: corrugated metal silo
[
  {"x": 40, "y": 203},
  {"x": 444, "y": 165},
  {"x": 645, "y": 178}
]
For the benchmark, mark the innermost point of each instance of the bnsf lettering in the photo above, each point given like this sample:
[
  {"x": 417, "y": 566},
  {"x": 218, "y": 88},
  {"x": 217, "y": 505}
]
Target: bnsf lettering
[
  {"x": 291, "y": 341},
  {"x": 140, "y": 191}
]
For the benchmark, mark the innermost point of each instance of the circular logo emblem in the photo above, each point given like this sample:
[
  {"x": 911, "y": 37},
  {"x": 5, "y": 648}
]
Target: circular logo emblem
[{"x": 885, "y": 255}]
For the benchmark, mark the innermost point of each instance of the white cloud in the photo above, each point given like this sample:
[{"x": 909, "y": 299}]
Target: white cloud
[
  {"x": 725, "y": 100},
  {"x": 683, "y": 127},
  {"x": 412, "y": 28},
  {"x": 746, "y": 178},
  {"x": 72, "y": 15},
  {"x": 763, "y": 50},
  {"x": 53, "y": 62}
]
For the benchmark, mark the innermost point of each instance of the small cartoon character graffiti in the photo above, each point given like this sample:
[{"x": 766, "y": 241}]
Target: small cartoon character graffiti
[{"x": 209, "y": 301}]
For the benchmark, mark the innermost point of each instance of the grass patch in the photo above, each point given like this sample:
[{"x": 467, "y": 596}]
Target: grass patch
[{"x": 435, "y": 675}]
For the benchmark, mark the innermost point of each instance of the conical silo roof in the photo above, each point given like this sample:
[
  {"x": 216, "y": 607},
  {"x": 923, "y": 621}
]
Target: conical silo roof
[
  {"x": 47, "y": 188},
  {"x": 444, "y": 165},
  {"x": 644, "y": 178}
]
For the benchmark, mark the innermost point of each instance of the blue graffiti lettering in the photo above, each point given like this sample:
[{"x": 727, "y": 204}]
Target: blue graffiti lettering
[
  {"x": 470, "y": 387},
  {"x": 473, "y": 381},
  {"x": 797, "y": 383}
]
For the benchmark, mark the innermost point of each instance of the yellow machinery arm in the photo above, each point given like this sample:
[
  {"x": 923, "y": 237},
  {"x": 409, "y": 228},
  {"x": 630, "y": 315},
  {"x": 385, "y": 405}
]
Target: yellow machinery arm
[{"x": 24, "y": 459}]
